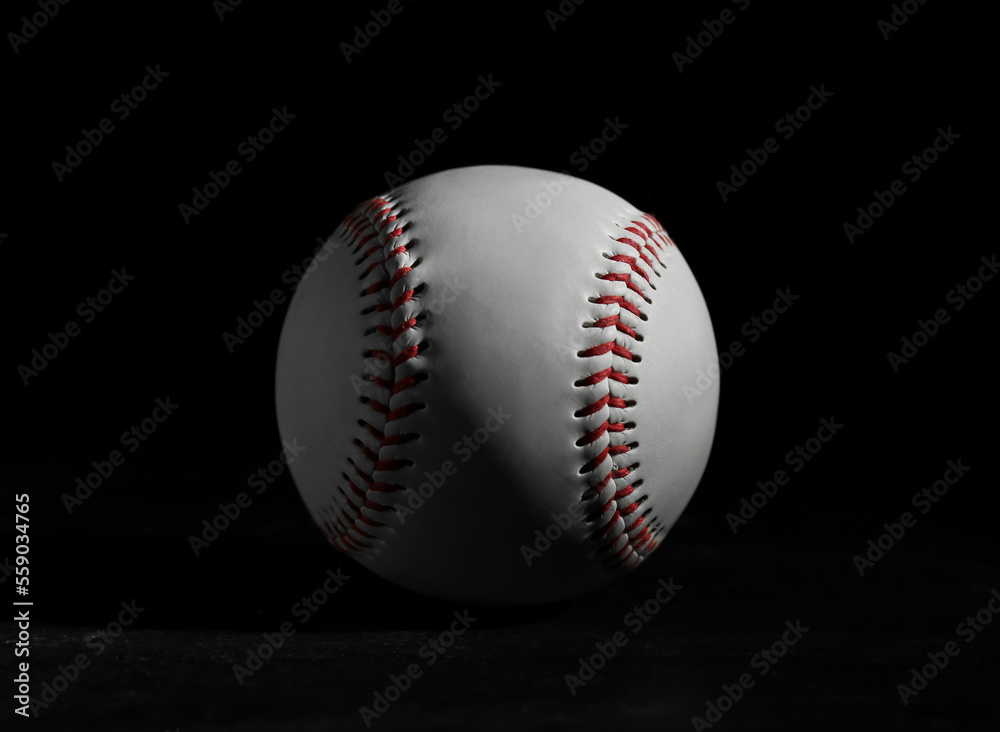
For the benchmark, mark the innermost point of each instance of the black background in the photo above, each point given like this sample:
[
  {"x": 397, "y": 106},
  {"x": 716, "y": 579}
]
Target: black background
[{"x": 826, "y": 357}]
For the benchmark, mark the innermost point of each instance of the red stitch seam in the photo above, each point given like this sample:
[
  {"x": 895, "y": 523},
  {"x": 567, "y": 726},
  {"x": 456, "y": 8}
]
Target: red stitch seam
[
  {"x": 625, "y": 535},
  {"x": 362, "y": 228}
]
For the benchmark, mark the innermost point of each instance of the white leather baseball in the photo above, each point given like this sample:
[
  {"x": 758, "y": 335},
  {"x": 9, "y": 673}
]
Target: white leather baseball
[{"x": 540, "y": 330}]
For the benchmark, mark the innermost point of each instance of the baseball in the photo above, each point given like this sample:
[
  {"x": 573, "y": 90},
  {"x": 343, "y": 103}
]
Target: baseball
[{"x": 487, "y": 372}]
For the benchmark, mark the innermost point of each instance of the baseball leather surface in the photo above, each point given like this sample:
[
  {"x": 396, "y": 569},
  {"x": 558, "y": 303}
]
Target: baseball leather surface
[{"x": 486, "y": 374}]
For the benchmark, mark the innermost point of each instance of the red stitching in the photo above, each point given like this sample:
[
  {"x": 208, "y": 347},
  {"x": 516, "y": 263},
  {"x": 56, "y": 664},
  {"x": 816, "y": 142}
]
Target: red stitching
[
  {"x": 625, "y": 543},
  {"x": 642, "y": 255},
  {"x": 615, "y": 348},
  {"x": 620, "y": 301},
  {"x": 622, "y": 527},
  {"x": 630, "y": 261},
  {"x": 627, "y": 279},
  {"x": 366, "y": 228}
]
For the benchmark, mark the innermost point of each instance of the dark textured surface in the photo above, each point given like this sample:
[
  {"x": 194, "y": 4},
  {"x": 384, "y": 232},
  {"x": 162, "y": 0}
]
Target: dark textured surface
[
  {"x": 783, "y": 230},
  {"x": 174, "y": 669}
]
